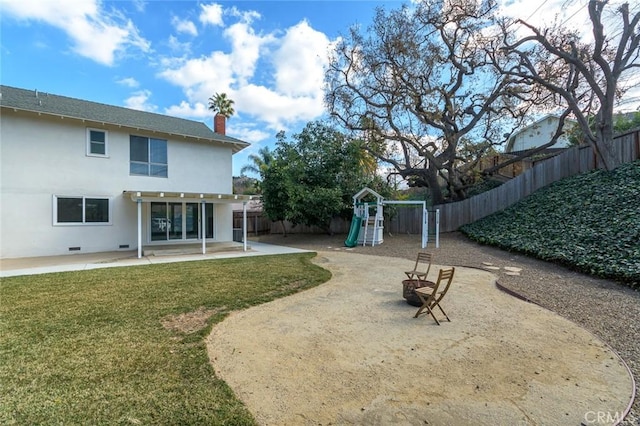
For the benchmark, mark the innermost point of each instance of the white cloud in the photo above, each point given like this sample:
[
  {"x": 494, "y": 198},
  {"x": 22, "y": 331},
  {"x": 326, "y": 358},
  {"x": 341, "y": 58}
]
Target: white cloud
[
  {"x": 278, "y": 110},
  {"x": 96, "y": 33},
  {"x": 540, "y": 15},
  {"x": 139, "y": 5},
  {"x": 245, "y": 16},
  {"x": 245, "y": 49},
  {"x": 184, "y": 26},
  {"x": 186, "y": 109},
  {"x": 300, "y": 61},
  {"x": 288, "y": 91},
  {"x": 139, "y": 100},
  {"x": 211, "y": 14},
  {"x": 176, "y": 46},
  {"x": 247, "y": 134},
  {"x": 201, "y": 77},
  {"x": 128, "y": 81}
]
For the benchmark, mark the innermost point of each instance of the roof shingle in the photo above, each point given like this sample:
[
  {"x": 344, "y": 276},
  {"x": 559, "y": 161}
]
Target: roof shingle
[{"x": 32, "y": 100}]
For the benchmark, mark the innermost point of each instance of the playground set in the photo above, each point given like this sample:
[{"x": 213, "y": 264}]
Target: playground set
[{"x": 367, "y": 227}]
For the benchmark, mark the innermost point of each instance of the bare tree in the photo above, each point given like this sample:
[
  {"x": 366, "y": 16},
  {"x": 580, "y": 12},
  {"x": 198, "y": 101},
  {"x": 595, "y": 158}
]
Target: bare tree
[
  {"x": 585, "y": 76},
  {"x": 424, "y": 94}
]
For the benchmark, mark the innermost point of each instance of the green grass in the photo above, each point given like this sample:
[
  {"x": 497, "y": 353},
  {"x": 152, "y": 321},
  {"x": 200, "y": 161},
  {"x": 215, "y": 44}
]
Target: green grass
[
  {"x": 589, "y": 222},
  {"x": 89, "y": 347}
]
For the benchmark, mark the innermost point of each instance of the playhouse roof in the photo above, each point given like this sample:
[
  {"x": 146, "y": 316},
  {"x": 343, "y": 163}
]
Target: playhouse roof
[{"x": 366, "y": 191}]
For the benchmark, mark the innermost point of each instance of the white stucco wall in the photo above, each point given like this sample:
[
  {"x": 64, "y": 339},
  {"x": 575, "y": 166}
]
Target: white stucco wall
[
  {"x": 539, "y": 134},
  {"x": 44, "y": 156}
]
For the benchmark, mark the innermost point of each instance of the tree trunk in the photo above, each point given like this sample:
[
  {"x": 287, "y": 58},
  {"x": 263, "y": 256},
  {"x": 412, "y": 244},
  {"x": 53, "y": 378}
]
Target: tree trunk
[
  {"x": 434, "y": 186},
  {"x": 605, "y": 151}
]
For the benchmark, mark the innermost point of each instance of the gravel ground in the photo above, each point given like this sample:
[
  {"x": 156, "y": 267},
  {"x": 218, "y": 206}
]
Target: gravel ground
[{"x": 606, "y": 308}]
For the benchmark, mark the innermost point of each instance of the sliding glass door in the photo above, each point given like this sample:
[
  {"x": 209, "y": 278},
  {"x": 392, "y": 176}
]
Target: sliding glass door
[
  {"x": 175, "y": 221},
  {"x": 208, "y": 214},
  {"x": 180, "y": 221},
  {"x": 192, "y": 221},
  {"x": 159, "y": 222}
]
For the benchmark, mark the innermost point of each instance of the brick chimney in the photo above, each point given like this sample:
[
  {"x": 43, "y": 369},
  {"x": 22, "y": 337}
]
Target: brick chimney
[{"x": 219, "y": 123}]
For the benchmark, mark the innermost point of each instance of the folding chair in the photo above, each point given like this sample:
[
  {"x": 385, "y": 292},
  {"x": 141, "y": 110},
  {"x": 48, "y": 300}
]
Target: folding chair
[
  {"x": 431, "y": 298},
  {"x": 423, "y": 261}
]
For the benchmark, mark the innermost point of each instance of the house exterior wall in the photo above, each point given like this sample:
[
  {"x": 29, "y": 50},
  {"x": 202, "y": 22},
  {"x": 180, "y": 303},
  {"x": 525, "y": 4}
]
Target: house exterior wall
[
  {"x": 44, "y": 156},
  {"x": 538, "y": 134}
]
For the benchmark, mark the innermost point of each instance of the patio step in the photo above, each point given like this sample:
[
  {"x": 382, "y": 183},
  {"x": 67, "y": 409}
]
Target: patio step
[{"x": 183, "y": 249}]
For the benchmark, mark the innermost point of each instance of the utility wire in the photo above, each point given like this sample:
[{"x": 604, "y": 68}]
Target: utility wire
[{"x": 537, "y": 9}]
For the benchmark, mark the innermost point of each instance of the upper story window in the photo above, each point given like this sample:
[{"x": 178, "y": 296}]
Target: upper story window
[
  {"x": 81, "y": 210},
  {"x": 97, "y": 142},
  {"x": 148, "y": 156}
]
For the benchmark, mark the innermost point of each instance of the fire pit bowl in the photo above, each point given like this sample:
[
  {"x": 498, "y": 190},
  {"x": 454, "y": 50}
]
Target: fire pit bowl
[{"x": 408, "y": 287}]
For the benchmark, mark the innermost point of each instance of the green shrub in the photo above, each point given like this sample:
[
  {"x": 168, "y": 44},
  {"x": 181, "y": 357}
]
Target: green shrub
[{"x": 589, "y": 222}]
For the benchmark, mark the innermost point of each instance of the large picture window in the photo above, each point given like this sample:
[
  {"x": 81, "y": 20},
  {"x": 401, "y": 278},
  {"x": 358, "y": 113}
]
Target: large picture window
[
  {"x": 81, "y": 210},
  {"x": 96, "y": 142},
  {"x": 148, "y": 156}
]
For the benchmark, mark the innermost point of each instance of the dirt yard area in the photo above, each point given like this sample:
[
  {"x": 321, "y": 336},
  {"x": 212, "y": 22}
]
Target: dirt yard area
[{"x": 350, "y": 352}]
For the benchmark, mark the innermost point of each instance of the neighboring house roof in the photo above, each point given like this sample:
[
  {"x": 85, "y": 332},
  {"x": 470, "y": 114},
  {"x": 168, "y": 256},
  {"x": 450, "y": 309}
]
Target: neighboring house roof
[
  {"x": 547, "y": 152},
  {"x": 46, "y": 103},
  {"x": 513, "y": 137}
]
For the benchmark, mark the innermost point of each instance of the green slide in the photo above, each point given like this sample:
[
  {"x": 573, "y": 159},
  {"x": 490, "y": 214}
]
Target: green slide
[{"x": 352, "y": 238}]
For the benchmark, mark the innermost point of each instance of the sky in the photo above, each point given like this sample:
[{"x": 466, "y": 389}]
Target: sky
[{"x": 170, "y": 57}]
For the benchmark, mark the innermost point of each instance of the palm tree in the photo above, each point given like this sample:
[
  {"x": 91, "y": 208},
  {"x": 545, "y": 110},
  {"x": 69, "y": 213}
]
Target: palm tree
[
  {"x": 259, "y": 162},
  {"x": 221, "y": 105}
]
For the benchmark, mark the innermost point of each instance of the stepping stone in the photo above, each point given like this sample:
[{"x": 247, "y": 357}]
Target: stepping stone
[
  {"x": 492, "y": 268},
  {"x": 513, "y": 274},
  {"x": 487, "y": 263},
  {"x": 512, "y": 269}
]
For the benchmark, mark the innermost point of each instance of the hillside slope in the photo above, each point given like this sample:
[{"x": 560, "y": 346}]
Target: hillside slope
[{"x": 590, "y": 222}]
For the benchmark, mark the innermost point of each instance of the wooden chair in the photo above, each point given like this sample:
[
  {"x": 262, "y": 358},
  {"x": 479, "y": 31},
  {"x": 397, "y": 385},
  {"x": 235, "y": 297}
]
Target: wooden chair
[
  {"x": 431, "y": 297},
  {"x": 422, "y": 267}
]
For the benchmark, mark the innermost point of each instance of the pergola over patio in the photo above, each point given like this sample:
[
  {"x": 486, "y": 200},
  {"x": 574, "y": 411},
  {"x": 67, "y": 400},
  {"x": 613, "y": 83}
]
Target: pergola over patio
[{"x": 140, "y": 197}]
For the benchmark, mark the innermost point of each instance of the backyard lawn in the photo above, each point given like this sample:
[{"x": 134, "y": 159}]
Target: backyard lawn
[{"x": 126, "y": 345}]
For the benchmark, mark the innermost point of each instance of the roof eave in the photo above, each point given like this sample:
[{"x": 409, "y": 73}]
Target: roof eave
[{"x": 237, "y": 144}]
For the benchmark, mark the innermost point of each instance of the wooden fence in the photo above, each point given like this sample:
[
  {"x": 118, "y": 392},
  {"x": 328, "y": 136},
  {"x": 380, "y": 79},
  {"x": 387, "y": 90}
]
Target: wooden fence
[
  {"x": 408, "y": 220},
  {"x": 259, "y": 224},
  {"x": 404, "y": 220},
  {"x": 576, "y": 160}
]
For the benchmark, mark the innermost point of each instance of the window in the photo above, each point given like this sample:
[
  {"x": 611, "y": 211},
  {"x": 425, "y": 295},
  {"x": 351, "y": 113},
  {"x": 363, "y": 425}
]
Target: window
[
  {"x": 81, "y": 210},
  {"x": 96, "y": 142},
  {"x": 148, "y": 156}
]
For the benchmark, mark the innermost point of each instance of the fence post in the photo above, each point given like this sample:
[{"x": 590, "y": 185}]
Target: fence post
[{"x": 437, "y": 228}]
